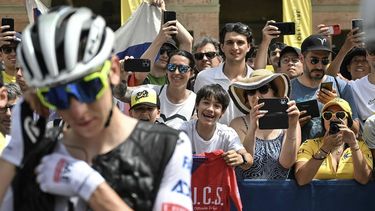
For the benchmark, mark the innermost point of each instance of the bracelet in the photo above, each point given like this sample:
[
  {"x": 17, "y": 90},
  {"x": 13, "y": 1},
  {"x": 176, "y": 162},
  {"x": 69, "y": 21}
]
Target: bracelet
[
  {"x": 320, "y": 158},
  {"x": 321, "y": 149}
]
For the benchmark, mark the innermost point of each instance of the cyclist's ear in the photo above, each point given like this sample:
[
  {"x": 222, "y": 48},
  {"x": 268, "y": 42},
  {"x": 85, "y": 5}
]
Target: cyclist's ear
[{"x": 114, "y": 75}]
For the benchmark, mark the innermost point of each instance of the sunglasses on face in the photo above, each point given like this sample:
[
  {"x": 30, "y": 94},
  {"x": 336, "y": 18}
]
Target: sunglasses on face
[
  {"x": 314, "y": 60},
  {"x": 287, "y": 60},
  {"x": 209, "y": 55},
  {"x": 86, "y": 90},
  {"x": 5, "y": 109},
  {"x": 165, "y": 50},
  {"x": 8, "y": 50},
  {"x": 327, "y": 115},
  {"x": 262, "y": 90},
  {"x": 181, "y": 68}
]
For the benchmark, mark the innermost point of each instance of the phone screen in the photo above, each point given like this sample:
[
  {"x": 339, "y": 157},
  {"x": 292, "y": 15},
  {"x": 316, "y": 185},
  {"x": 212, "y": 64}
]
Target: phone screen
[
  {"x": 285, "y": 28},
  {"x": 9, "y": 22},
  {"x": 137, "y": 65},
  {"x": 276, "y": 117},
  {"x": 326, "y": 85},
  {"x": 169, "y": 16},
  {"x": 357, "y": 23}
]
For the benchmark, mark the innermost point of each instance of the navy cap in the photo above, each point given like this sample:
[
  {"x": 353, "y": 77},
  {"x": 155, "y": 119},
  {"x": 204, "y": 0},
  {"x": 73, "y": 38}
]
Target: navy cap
[{"x": 316, "y": 42}]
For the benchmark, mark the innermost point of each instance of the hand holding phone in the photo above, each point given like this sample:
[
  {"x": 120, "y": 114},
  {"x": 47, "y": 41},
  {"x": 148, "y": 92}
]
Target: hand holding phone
[
  {"x": 334, "y": 29},
  {"x": 7, "y": 22},
  {"x": 311, "y": 107},
  {"x": 285, "y": 28},
  {"x": 137, "y": 65},
  {"x": 276, "y": 117}
]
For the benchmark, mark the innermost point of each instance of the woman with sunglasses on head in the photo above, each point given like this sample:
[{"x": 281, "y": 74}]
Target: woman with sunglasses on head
[
  {"x": 338, "y": 154},
  {"x": 274, "y": 150},
  {"x": 101, "y": 159}
]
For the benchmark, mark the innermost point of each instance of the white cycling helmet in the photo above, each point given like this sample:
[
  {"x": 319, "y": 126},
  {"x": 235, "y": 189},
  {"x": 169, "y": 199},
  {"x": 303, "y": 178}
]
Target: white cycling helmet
[
  {"x": 63, "y": 45},
  {"x": 368, "y": 15}
]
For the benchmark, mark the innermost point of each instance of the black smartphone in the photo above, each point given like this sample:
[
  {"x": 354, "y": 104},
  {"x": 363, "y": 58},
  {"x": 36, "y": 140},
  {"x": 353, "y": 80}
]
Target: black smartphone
[
  {"x": 276, "y": 117},
  {"x": 311, "y": 106},
  {"x": 169, "y": 16},
  {"x": 357, "y": 23},
  {"x": 326, "y": 85},
  {"x": 137, "y": 65},
  {"x": 9, "y": 22},
  {"x": 285, "y": 28}
]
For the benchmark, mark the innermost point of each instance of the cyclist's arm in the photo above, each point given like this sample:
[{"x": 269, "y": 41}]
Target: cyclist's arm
[
  {"x": 174, "y": 191},
  {"x": 105, "y": 198}
]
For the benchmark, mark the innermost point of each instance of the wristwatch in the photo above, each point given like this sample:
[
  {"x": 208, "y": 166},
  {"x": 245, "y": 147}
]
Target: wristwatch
[{"x": 244, "y": 159}]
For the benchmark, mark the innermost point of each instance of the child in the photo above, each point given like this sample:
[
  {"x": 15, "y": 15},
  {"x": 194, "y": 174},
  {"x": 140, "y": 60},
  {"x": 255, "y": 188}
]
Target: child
[{"x": 207, "y": 135}]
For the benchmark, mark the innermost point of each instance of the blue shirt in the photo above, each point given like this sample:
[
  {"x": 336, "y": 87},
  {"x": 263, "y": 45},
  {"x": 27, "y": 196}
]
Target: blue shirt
[{"x": 301, "y": 93}]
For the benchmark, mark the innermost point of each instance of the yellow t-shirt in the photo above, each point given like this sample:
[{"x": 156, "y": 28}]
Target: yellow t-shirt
[
  {"x": 3, "y": 142},
  {"x": 345, "y": 168},
  {"x": 8, "y": 78}
]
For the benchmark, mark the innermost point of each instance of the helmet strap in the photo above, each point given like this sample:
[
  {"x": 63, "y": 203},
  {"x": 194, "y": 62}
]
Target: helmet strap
[{"x": 109, "y": 116}]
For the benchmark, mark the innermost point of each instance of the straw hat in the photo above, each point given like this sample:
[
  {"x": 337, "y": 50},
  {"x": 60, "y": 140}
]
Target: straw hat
[{"x": 257, "y": 79}]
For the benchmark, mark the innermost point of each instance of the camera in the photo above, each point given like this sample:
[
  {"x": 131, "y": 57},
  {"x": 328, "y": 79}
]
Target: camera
[{"x": 334, "y": 128}]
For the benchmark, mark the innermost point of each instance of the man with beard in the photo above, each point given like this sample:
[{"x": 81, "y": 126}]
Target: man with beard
[{"x": 316, "y": 50}]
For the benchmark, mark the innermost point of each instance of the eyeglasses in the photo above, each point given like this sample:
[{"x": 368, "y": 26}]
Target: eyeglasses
[
  {"x": 287, "y": 60},
  {"x": 327, "y": 115},
  {"x": 314, "y": 60},
  {"x": 164, "y": 49},
  {"x": 86, "y": 90},
  {"x": 209, "y": 55},
  {"x": 8, "y": 50},
  {"x": 5, "y": 109},
  {"x": 181, "y": 68},
  {"x": 262, "y": 90}
]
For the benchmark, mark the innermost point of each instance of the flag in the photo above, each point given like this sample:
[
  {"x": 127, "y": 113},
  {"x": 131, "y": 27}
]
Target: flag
[
  {"x": 136, "y": 35},
  {"x": 127, "y": 8},
  {"x": 34, "y": 9},
  {"x": 299, "y": 12}
]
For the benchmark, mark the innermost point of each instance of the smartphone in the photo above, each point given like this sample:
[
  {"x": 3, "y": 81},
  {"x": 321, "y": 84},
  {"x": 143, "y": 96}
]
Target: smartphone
[
  {"x": 310, "y": 106},
  {"x": 276, "y": 117},
  {"x": 334, "y": 29},
  {"x": 357, "y": 23},
  {"x": 326, "y": 85},
  {"x": 169, "y": 16},
  {"x": 9, "y": 22},
  {"x": 285, "y": 28},
  {"x": 137, "y": 65}
]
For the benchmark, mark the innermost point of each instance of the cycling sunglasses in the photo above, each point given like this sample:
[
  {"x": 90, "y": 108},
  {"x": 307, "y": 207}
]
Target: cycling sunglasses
[
  {"x": 181, "y": 68},
  {"x": 262, "y": 90},
  {"x": 86, "y": 90},
  {"x": 209, "y": 55},
  {"x": 314, "y": 60},
  {"x": 8, "y": 50},
  {"x": 327, "y": 115}
]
